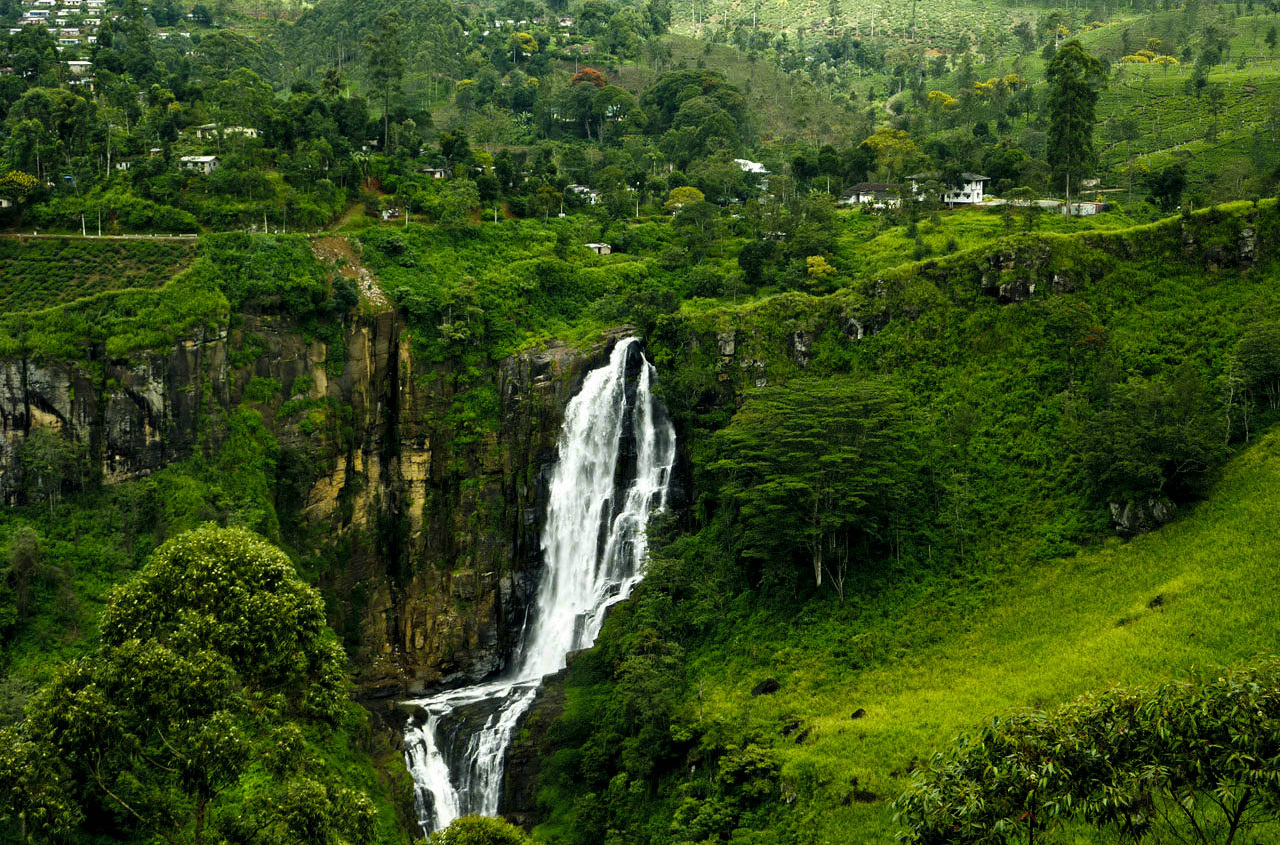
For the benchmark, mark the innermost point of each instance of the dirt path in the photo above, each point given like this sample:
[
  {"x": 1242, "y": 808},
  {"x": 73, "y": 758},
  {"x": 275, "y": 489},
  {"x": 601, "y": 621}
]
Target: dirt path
[
  {"x": 354, "y": 211},
  {"x": 337, "y": 251}
]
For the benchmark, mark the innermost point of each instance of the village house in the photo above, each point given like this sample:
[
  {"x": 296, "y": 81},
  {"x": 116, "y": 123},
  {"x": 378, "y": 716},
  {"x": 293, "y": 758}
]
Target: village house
[
  {"x": 591, "y": 196},
  {"x": 755, "y": 171},
  {"x": 969, "y": 191},
  {"x": 600, "y": 249},
  {"x": 877, "y": 195},
  {"x": 210, "y": 130},
  {"x": 79, "y": 67},
  {"x": 434, "y": 172},
  {"x": 200, "y": 164}
]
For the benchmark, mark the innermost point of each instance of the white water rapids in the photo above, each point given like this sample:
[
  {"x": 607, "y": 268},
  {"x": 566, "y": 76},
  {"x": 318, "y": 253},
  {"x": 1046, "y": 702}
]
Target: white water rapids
[{"x": 616, "y": 451}]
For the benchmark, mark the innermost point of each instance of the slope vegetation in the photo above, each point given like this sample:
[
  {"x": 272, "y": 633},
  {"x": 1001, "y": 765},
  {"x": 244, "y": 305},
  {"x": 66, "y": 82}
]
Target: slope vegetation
[{"x": 1201, "y": 591}]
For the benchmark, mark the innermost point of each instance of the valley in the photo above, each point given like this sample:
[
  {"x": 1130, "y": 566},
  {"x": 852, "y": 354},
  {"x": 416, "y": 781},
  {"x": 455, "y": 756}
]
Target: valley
[{"x": 617, "y": 422}]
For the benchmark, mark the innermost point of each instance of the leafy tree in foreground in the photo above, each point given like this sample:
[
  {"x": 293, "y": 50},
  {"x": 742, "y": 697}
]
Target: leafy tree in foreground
[
  {"x": 1196, "y": 760},
  {"x": 480, "y": 830},
  {"x": 187, "y": 724},
  {"x": 1075, "y": 77}
]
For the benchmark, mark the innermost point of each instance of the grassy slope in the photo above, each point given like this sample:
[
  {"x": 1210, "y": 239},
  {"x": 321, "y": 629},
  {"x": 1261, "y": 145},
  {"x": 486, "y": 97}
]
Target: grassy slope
[
  {"x": 866, "y": 245},
  {"x": 1047, "y": 633}
]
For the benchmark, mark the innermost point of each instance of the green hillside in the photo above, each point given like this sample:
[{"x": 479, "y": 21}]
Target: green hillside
[{"x": 1200, "y": 592}]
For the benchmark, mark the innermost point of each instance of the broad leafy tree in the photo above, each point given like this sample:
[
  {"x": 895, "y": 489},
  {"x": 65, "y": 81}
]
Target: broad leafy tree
[
  {"x": 187, "y": 724},
  {"x": 818, "y": 470}
]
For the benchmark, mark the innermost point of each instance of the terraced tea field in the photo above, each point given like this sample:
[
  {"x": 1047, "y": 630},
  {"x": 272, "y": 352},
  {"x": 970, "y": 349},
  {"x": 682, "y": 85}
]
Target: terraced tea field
[{"x": 37, "y": 273}]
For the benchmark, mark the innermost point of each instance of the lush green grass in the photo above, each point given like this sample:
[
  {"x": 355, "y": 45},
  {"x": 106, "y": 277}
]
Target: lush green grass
[{"x": 1045, "y": 634}]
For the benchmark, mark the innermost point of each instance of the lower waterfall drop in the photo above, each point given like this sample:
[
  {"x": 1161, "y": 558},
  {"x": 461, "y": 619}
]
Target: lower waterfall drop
[{"x": 616, "y": 451}]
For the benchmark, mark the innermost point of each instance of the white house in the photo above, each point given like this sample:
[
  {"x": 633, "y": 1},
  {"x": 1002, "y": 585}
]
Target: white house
[
  {"x": 434, "y": 172},
  {"x": 200, "y": 164},
  {"x": 91, "y": 21},
  {"x": 68, "y": 42},
  {"x": 1086, "y": 209},
  {"x": 40, "y": 14},
  {"x": 79, "y": 67},
  {"x": 123, "y": 164},
  {"x": 749, "y": 166},
  {"x": 591, "y": 196},
  {"x": 875, "y": 194},
  {"x": 211, "y": 130},
  {"x": 600, "y": 249},
  {"x": 969, "y": 192}
]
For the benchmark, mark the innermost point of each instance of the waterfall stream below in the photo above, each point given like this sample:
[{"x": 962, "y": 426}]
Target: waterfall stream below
[{"x": 616, "y": 451}]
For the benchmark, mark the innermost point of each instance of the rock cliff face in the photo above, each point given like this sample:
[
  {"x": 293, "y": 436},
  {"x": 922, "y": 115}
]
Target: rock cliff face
[{"x": 428, "y": 535}]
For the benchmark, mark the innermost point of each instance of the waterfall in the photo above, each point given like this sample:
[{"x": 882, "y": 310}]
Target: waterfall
[{"x": 616, "y": 450}]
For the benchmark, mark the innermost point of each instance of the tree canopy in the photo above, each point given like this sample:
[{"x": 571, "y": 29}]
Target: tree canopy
[
  {"x": 189, "y": 722},
  {"x": 819, "y": 466}
]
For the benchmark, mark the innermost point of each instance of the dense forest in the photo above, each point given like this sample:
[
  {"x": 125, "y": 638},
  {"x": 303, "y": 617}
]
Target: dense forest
[{"x": 962, "y": 314}]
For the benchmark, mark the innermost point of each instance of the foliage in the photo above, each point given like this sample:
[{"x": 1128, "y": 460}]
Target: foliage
[
  {"x": 830, "y": 460},
  {"x": 40, "y": 272},
  {"x": 480, "y": 830},
  {"x": 1074, "y": 79},
  {"x": 210, "y": 661},
  {"x": 1191, "y": 760},
  {"x": 1145, "y": 440}
]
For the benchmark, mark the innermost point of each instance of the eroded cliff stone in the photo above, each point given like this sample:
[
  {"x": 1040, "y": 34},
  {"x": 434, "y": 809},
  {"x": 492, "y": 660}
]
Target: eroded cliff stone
[{"x": 433, "y": 541}]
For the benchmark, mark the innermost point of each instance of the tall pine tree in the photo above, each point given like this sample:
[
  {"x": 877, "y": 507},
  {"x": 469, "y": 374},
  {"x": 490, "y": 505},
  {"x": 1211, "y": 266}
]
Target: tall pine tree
[
  {"x": 1075, "y": 78},
  {"x": 385, "y": 62}
]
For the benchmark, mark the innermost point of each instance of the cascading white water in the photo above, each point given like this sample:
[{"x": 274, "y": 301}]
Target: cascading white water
[{"x": 593, "y": 547}]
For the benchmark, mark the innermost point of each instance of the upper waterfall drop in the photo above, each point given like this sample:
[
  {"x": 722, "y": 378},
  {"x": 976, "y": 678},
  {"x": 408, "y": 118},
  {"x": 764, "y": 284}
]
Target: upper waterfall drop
[{"x": 616, "y": 452}]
